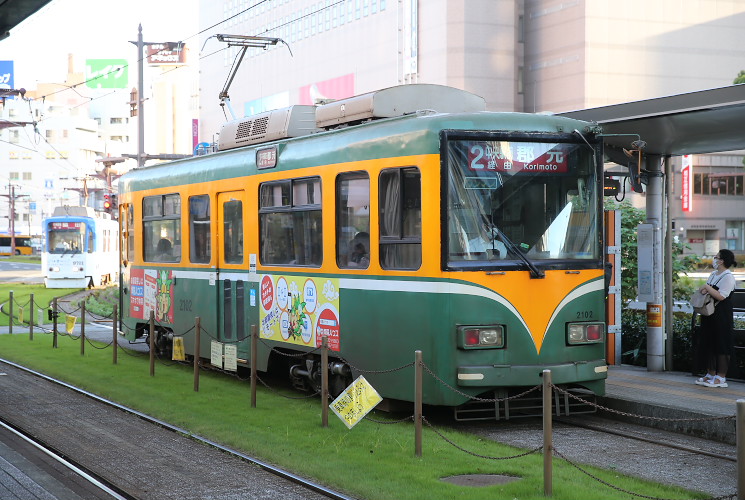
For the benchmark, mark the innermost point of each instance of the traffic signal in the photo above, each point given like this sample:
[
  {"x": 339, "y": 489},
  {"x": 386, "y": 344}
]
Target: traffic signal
[{"x": 107, "y": 203}]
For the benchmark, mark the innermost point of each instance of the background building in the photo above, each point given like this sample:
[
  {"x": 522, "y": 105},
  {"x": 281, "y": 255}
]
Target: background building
[{"x": 520, "y": 55}]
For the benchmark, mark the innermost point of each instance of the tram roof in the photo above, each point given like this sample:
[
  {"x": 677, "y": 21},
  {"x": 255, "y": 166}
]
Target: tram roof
[{"x": 705, "y": 121}]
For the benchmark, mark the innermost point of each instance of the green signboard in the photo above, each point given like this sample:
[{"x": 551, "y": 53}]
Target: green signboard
[{"x": 106, "y": 73}]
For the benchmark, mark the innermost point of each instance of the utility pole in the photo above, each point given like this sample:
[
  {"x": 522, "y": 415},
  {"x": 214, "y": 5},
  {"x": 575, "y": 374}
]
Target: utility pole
[
  {"x": 141, "y": 98},
  {"x": 12, "y": 216}
]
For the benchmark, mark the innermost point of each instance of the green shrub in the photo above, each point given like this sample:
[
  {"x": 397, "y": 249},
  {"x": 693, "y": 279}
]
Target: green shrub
[{"x": 634, "y": 342}]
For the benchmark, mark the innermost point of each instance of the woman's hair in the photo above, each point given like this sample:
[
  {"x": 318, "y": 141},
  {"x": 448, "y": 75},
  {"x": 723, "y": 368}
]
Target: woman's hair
[{"x": 728, "y": 258}]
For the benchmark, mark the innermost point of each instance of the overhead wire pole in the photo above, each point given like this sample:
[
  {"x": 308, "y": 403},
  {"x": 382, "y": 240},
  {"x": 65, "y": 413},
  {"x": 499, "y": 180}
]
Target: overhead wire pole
[{"x": 141, "y": 99}]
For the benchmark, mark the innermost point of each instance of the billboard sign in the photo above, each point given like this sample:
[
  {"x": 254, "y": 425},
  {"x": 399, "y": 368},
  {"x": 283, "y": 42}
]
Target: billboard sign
[
  {"x": 106, "y": 73},
  {"x": 6, "y": 75},
  {"x": 165, "y": 54}
]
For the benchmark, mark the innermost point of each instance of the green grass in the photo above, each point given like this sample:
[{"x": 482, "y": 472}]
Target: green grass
[
  {"x": 21, "y": 296},
  {"x": 32, "y": 259},
  {"x": 370, "y": 461}
]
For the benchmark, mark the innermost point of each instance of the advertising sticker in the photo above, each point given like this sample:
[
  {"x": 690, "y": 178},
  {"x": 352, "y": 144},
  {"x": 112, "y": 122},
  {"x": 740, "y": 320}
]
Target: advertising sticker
[{"x": 300, "y": 310}]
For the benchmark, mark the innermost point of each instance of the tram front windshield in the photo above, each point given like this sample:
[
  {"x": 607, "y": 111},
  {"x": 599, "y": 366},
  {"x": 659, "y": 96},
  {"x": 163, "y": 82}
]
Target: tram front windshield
[
  {"x": 538, "y": 199},
  {"x": 67, "y": 237}
]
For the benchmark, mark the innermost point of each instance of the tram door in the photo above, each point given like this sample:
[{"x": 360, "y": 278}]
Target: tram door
[{"x": 233, "y": 289}]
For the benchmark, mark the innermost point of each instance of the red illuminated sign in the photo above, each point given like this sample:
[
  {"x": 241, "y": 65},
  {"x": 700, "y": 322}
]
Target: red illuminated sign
[
  {"x": 687, "y": 180},
  {"x": 513, "y": 157}
]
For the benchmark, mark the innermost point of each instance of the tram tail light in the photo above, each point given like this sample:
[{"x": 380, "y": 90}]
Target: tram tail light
[
  {"x": 481, "y": 337},
  {"x": 584, "y": 333}
]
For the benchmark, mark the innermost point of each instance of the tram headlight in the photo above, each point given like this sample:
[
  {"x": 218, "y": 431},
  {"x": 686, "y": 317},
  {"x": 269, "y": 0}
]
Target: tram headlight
[
  {"x": 585, "y": 333},
  {"x": 481, "y": 337},
  {"x": 54, "y": 269}
]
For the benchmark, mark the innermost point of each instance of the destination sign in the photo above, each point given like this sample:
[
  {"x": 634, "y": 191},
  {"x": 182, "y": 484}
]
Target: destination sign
[
  {"x": 514, "y": 157},
  {"x": 66, "y": 225}
]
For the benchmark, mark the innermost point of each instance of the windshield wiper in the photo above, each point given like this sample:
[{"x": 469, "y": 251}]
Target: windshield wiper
[{"x": 535, "y": 273}]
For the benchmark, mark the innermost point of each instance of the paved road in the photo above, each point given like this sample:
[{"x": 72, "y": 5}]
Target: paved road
[{"x": 20, "y": 272}]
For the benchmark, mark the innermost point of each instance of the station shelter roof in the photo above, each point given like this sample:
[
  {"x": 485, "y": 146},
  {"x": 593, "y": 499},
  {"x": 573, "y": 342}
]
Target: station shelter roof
[{"x": 705, "y": 121}]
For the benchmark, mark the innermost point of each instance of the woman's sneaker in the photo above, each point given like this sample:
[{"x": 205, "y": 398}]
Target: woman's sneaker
[
  {"x": 706, "y": 379},
  {"x": 717, "y": 382}
]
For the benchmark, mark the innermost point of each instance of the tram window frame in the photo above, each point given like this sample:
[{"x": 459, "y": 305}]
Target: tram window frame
[
  {"x": 353, "y": 221},
  {"x": 200, "y": 229},
  {"x": 161, "y": 212},
  {"x": 232, "y": 231},
  {"x": 291, "y": 222},
  {"x": 401, "y": 238}
]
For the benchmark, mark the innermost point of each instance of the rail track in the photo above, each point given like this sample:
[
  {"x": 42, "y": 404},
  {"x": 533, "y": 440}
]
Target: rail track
[
  {"x": 305, "y": 484},
  {"x": 31, "y": 448}
]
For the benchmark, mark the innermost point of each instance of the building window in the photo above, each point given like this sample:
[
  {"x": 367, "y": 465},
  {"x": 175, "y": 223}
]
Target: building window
[
  {"x": 13, "y": 176},
  {"x": 290, "y": 226},
  {"x": 400, "y": 218},
  {"x": 26, "y": 176},
  {"x": 719, "y": 184},
  {"x": 161, "y": 228}
]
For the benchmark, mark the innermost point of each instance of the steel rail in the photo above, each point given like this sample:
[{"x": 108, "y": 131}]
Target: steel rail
[
  {"x": 78, "y": 469},
  {"x": 266, "y": 466},
  {"x": 626, "y": 435}
]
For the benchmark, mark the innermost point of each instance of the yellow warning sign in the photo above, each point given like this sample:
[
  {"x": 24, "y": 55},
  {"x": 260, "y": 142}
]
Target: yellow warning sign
[
  {"x": 70, "y": 323},
  {"x": 355, "y": 402},
  {"x": 178, "y": 349}
]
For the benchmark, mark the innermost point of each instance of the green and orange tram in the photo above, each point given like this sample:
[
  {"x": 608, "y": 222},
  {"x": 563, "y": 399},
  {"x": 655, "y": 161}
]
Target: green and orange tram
[{"x": 400, "y": 220}]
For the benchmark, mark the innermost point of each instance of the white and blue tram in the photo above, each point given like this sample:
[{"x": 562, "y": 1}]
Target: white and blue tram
[{"x": 81, "y": 248}]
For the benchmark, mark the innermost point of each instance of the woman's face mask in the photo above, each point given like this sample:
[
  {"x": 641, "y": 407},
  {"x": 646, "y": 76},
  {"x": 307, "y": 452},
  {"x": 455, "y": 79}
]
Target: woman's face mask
[{"x": 715, "y": 262}]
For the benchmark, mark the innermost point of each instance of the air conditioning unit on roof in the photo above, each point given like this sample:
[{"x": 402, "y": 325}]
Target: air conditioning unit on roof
[
  {"x": 294, "y": 121},
  {"x": 398, "y": 101}
]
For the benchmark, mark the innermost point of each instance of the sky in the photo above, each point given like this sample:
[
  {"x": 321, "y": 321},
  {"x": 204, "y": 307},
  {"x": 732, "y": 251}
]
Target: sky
[{"x": 93, "y": 29}]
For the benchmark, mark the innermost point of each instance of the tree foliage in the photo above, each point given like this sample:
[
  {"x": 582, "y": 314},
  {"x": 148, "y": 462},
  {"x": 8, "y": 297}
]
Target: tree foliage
[
  {"x": 740, "y": 77},
  {"x": 631, "y": 217}
]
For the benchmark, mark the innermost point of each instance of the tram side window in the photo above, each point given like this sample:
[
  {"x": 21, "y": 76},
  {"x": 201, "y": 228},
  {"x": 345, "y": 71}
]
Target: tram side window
[
  {"x": 233, "y": 231},
  {"x": 200, "y": 244},
  {"x": 290, "y": 222},
  {"x": 161, "y": 228},
  {"x": 400, "y": 218},
  {"x": 353, "y": 220}
]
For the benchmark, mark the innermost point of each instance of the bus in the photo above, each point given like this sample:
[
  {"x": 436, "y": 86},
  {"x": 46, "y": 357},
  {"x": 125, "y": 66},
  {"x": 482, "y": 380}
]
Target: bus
[{"x": 23, "y": 243}]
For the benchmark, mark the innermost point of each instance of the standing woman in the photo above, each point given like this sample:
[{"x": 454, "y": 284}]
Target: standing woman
[{"x": 716, "y": 330}]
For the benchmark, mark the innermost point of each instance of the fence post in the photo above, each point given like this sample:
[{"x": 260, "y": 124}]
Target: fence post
[
  {"x": 254, "y": 358},
  {"x": 82, "y": 329},
  {"x": 547, "y": 434},
  {"x": 54, "y": 323},
  {"x": 10, "y": 313},
  {"x": 151, "y": 341},
  {"x": 325, "y": 382},
  {"x": 31, "y": 318},
  {"x": 114, "y": 330},
  {"x": 418, "y": 403},
  {"x": 197, "y": 344},
  {"x": 740, "y": 430}
]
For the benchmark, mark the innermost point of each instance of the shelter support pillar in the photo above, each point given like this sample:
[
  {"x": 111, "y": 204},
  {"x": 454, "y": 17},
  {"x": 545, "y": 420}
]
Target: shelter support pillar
[{"x": 655, "y": 204}]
